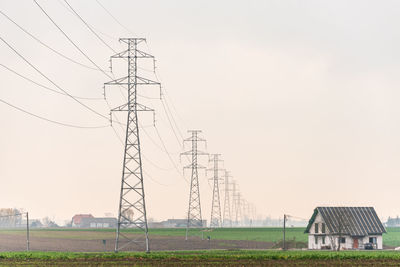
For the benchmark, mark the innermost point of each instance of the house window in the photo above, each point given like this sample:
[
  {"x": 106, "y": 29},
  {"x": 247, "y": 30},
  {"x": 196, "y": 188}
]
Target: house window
[
  {"x": 316, "y": 228},
  {"x": 372, "y": 240},
  {"x": 323, "y": 228},
  {"x": 323, "y": 240},
  {"x": 316, "y": 240},
  {"x": 343, "y": 240}
]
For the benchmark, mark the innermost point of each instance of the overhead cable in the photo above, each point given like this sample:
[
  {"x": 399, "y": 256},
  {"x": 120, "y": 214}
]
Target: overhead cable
[
  {"x": 52, "y": 121},
  {"x": 46, "y": 87},
  {"x": 51, "y": 81},
  {"x": 90, "y": 28},
  {"x": 44, "y": 44}
]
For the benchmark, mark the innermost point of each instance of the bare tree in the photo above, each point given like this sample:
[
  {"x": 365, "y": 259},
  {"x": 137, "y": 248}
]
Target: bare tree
[{"x": 341, "y": 223}]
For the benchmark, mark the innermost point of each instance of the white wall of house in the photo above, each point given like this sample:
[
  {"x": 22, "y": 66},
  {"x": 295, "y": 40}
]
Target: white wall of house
[{"x": 312, "y": 244}]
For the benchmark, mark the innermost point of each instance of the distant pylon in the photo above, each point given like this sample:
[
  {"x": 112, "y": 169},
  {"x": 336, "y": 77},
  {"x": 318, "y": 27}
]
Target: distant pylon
[
  {"x": 194, "y": 218},
  {"x": 227, "y": 218},
  {"x": 234, "y": 204},
  {"x": 238, "y": 212},
  {"x": 132, "y": 207},
  {"x": 216, "y": 219}
]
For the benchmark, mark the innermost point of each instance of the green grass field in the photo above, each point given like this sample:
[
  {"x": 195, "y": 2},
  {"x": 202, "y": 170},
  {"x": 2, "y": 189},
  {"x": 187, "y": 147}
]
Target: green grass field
[{"x": 392, "y": 238}]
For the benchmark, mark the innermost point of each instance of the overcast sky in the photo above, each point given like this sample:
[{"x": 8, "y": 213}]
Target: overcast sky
[{"x": 300, "y": 98}]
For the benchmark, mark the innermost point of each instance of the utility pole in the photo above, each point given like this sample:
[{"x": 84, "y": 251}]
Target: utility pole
[
  {"x": 216, "y": 219},
  {"x": 132, "y": 206},
  {"x": 284, "y": 232},
  {"x": 194, "y": 218},
  {"x": 227, "y": 218}
]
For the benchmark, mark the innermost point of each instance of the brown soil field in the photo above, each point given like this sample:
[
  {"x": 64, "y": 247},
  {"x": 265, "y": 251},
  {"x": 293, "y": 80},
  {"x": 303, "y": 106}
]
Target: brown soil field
[{"x": 93, "y": 242}]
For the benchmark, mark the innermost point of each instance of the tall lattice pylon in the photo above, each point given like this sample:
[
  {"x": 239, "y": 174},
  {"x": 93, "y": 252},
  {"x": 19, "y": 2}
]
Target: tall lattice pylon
[
  {"x": 216, "y": 218},
  {"x": 227, "y": 217},
  {"x": 194, "y": 218},
  {"x": 238, "y": 206},
  {"x": 234, "y": 210},
  {"x": 132, "y": 205}
]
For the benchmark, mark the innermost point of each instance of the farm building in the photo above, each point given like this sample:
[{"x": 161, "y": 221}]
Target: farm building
[
  {"x": 76, "y": 220},
  {"x": 88, "y": 221},
  {"x": 345, "y": 228},
  {"x": 106, "y": 222},
  {"x": 179, "y": 223}
]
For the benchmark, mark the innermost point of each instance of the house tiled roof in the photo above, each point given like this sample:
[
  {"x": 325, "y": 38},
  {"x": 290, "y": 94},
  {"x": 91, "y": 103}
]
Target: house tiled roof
[
  {"x": 354, "y": 221},
  {"x": 78, "y": 217}
]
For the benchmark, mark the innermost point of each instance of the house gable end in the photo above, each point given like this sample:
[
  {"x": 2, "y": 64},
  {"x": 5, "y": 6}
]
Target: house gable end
[{"x": 311, "y": 221}]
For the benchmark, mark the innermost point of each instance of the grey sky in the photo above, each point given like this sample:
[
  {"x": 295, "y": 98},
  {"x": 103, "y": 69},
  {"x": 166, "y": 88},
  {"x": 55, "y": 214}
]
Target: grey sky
[{"x": 300, "y": 98}]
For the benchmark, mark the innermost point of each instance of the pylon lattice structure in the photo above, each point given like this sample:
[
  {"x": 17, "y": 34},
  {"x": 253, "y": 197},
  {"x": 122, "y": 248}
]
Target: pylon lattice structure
[
  {"x": 238, "y": 212},
  {"x": 132, "y": 206},
  {"x": 194, "y": 218},
  {"x": 235, "y": 204},
  {"x": 227, "y": 217},
  {"x": 216, "y": 219}
]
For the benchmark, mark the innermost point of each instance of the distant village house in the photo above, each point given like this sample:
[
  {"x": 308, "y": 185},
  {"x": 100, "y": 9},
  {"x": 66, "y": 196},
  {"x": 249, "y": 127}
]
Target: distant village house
[{"x": 89, "y": 221}]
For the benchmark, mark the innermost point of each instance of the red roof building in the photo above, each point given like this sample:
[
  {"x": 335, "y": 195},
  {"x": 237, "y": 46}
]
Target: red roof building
[{"x": 77, "y": 219}]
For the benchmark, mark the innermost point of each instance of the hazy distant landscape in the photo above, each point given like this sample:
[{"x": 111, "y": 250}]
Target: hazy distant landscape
[{"x": 200, "y": 133}]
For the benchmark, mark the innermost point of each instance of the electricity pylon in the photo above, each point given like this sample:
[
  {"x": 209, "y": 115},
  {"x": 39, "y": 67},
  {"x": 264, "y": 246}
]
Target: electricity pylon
[
  {"x": 132, "y": 206},
  {"x": 238, "y": 212},
  {"x": 245, "y": 212},
  {"x": 227, "y": 218},
  {"x": 216, "y": 219},
  {"x": 235, "y": 204},
  {"x": 194, "y": 218}
]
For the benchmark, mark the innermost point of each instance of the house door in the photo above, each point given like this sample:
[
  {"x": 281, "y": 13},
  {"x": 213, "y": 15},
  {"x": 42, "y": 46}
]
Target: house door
[{"x": 355, "y": 242}]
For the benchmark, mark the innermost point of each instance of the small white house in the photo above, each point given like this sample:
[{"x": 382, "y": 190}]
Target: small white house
[{"x": 345, "y": 228}]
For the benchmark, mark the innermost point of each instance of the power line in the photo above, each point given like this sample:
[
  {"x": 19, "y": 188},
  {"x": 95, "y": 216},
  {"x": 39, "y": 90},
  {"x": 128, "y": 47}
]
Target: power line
[
  {"x": 166, "y": 94},
  {"x": 169, "y": 156},
  {"x": 155, "y": 165},
  {"x": 166, "y": 112},
  {"x": 44, "y": 44},
  {"x": 166, "y": 98},
  {"x": 88, "y": 26},
  {"x": 173, "y": 119},
  {"x": 154, "y": 180},
  {"x": 115, "y": 19},
  {"x": 75, "y": 45},
  {"x": 46, "y": 87},
  {"x": 170, "y": 123},
  {"x": 165, "y": 106},
  {"x": 70, "y": 40},
  {"x": 148, "y": 160},
  {"x": 52, "y": 121},
  {"x": 102, "y": 33},
  {"x": 161, "y": 148},
  {"x": 47, "y": 78}
]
